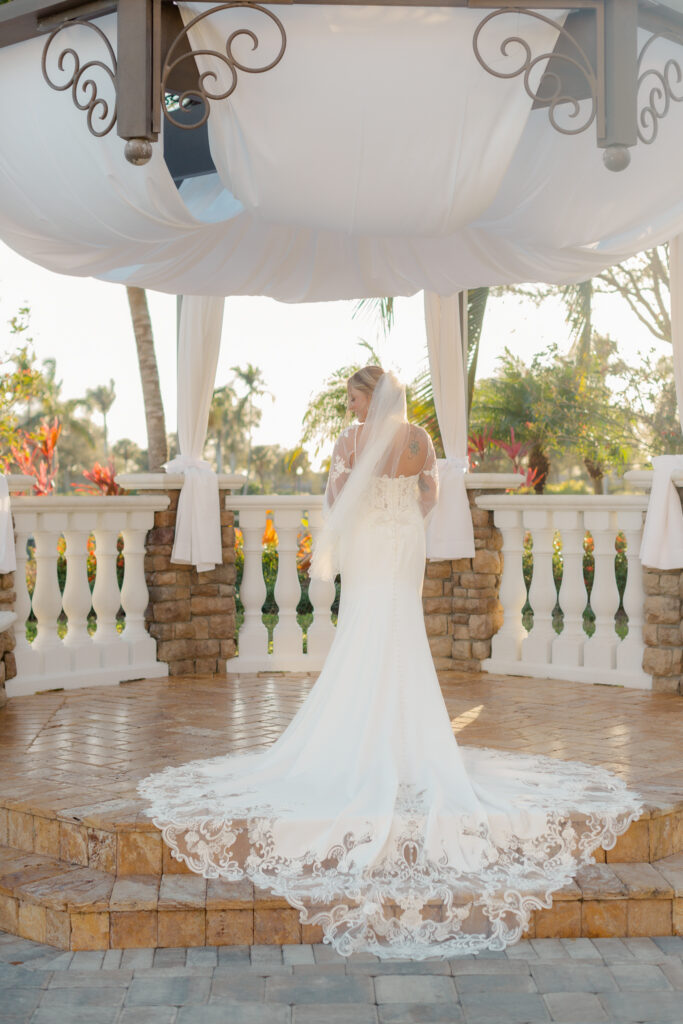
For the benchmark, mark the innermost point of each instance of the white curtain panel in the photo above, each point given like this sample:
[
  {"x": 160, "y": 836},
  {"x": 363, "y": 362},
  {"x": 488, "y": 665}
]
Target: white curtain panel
[
  {"x": 8, "y": 561},
  {"x": 369, "y": 162},
  {"x": 450, "y": 533},
  {"x": 662, "y": 543},
  {"x": 198, "y": 524}
]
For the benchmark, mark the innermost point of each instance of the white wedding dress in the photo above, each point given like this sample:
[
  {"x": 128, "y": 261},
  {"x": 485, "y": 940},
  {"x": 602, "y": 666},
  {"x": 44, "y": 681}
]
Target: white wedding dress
[{"x": 365, "y": 814}]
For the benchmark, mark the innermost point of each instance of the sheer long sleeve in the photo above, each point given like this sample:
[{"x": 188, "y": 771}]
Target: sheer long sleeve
[
  {"x": 428, "y": 480},
  {"x": 340, "y": 465}
]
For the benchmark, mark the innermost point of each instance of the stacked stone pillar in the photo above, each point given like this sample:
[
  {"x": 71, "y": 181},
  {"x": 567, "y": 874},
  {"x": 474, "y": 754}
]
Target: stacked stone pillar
[
  {"x": 8, "y": 665},
  {"x": 460, "y": 599},
  {"x": 663, "y": 657},
  {"x": 191, "y": 615}
]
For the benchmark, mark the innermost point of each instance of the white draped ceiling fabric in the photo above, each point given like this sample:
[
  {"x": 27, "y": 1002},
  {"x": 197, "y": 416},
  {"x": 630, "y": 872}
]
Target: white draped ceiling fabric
[
  {"x": 662, "y": 543},
  {"x": 377, "y": 158}
]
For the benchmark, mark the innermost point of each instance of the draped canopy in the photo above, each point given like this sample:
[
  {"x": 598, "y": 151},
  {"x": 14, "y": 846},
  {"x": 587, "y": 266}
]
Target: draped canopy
[{"x": 378, "y": 157}]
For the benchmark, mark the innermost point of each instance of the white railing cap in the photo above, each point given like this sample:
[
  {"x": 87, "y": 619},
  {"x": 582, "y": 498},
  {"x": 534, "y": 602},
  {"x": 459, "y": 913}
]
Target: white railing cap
[
  {"x": 91, "y": 502},
  {"x": 493, "y": 481},
  {"x": 20, "y": 482},
  {"x": 268, "y": 501},
  {"x": 173, "y": 481},
  {"x": 551, "y": 501}
]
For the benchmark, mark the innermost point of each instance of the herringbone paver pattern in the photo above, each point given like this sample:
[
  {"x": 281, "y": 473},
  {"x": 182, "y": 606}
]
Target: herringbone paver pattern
[{"x": 82, "y": 752}]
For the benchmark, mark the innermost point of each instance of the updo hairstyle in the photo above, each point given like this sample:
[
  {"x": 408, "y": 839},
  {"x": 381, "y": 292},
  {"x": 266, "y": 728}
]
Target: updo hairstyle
[{"x": 365, "y": 380}]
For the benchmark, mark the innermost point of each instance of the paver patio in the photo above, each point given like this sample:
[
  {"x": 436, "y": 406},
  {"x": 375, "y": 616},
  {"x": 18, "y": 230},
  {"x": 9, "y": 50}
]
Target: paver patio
[
  {"x": 82, "y": 867},
  {"x": 235, "y": 986}
]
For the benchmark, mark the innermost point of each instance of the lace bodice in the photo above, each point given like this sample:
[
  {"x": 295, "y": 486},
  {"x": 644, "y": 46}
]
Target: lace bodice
[
  {"x": 395, "y": 497},
  {"x": 396, "y": 491}
]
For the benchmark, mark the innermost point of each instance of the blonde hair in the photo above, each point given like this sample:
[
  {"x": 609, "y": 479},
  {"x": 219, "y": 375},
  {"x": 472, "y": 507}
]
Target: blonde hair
[{"x": 365, "y": 380}]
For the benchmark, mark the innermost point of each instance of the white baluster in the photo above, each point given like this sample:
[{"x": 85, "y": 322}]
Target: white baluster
[
  {"x": 47, "y": 599},
  {"x": 537, "y": 646},
  {"x": 287, "y": 638},
  {"x": 321, "y": 594},
  {"x": 253, "y": 636},
  {"x": 599, "y": 651},
  {"x": 568, "y": 646},
  {"x": 630, "y": 649},
  {"x": 77, "y": 599},
  {"x": 28, "y": 660},
  {"x": 134, "y": 592},
  {"x": 507, "y": 643},
  {"x": 106, "y": 596}
]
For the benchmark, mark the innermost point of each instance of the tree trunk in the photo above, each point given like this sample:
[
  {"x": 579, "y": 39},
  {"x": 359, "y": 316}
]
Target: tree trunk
[
  {"x": 157, "y": 449},
  {"x": 596, "y": 473},
  {"x": 539, "y": 461}
]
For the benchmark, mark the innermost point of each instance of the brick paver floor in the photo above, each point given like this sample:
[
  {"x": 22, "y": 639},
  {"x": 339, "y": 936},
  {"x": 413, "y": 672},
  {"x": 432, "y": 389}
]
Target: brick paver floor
[
  {"x": 566, "y": 981},
  {"x": 84, "y": 751}
]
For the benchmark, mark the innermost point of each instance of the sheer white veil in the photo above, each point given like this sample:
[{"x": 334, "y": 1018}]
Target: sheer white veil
[{"x": 375, "y": 452}]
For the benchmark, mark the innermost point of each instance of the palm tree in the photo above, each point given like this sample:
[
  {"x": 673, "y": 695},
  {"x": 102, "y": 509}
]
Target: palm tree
[
  {"x": 421, "y": 395},
  {"x": 102, "y": 398},
  {"x": 157, "y": 447},
  {"x": 226, "y": 426},
  {"x": 253, "y": 380}
]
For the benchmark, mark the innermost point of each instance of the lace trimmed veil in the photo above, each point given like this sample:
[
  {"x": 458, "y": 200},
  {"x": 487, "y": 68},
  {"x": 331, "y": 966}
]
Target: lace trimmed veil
[{"x": 379, "y": 449}]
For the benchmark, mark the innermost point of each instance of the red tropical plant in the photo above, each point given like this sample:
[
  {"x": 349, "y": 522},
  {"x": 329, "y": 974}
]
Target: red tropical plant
[
  {"x": 515, "y": 450},
  {"x": 101, "y": 480},
  {"x": 478, "y": 445},
  {"x": 37, "y": 456}
]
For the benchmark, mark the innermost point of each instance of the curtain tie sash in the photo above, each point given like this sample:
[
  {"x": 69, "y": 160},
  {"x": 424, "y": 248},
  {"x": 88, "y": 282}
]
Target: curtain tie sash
[
  {"x": 450, "y": 533},
  {"x": 197, "y": 539},
  {"x": 662, "y": 544}
]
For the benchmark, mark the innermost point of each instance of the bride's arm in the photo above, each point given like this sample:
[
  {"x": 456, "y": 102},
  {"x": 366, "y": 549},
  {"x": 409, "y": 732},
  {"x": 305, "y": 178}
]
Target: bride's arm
[
  {"x": 340, "y": 465},
  {"x": 428, "y": 481}
]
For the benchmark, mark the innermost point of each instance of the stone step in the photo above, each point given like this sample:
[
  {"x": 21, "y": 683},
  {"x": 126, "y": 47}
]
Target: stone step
[
  {"x": 74, "y": 907},
  {"x": 119, "y": 839}
]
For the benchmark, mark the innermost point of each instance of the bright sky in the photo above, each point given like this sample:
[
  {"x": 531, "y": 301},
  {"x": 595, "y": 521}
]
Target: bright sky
[{"x": 85, "y": 325}]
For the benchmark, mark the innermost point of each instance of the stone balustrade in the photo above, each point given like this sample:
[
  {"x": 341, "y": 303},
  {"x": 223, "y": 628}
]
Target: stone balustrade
[
  {"x": 79, "y": 659},
  {"x": 288, "y": 513},
  {"x": 570, "y": 654}
]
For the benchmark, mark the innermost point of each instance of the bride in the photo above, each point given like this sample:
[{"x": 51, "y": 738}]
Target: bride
[{"x": 365, "y": 814}]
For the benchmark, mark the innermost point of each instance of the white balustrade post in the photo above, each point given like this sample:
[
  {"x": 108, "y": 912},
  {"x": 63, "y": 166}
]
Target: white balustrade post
[
  {"x": 28, "y": 660},
  {"x": 568, "y": 646},
  {"x": 630, "y": 650},
  {"x": 77, "y": 598},
  {"x": 134, "y": 592},
  {"x": 47, "y": 599},
  {"x": 599, "y": 651},
  {"x": 287, "y": 637},
  {"x": 106, "y": 596},
  {"x": 321, "y": 594},
  {"x": 253, "y": 636},
  {"x": 507, "y": 643},
  {"x": 537, "y": 646}
]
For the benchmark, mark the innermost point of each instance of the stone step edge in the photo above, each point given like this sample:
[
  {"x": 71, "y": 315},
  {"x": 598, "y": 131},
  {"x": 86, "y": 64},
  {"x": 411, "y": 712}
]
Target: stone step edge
[
  {"x": 137, "y": 848},
  {"x": 79, "y": 908}
]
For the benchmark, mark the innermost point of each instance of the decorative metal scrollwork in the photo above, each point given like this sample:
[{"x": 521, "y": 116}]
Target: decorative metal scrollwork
[
  {"x": 657, "y": 90},
  {"x": 101, "y": 112},
  {"x": 517, "y": 51},
  {"x": 208, "y": 88}
]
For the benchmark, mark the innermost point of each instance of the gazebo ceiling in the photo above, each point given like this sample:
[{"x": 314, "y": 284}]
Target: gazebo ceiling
[{"x": 599, "y": 56}]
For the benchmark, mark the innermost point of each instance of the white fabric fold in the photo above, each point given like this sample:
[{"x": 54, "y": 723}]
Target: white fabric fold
[
  {"x": 662, "y": 543},
  {"x": 450, "y": 533},
  {"x": 198, "y": 523},
  {"x": 290, "y": 217},
  {"x": 8, "y": 561}
]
